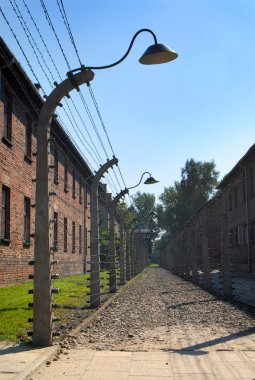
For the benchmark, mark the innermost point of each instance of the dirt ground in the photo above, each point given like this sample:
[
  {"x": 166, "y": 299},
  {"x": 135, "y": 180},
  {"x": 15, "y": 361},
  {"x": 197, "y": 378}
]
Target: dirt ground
[{"x": 160, "y": 311}]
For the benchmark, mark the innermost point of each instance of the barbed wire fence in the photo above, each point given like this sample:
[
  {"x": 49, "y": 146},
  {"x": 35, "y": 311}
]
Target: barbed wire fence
[{"x": 201, "y": 253}]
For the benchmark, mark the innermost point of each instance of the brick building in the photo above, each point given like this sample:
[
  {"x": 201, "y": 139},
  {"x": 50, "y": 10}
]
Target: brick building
[
  {"x": 198, "y": 245},
  {"x": 222, "y": 232},
  {"x": 20, "y": 103},
  {"x": 238, "y": 190}
]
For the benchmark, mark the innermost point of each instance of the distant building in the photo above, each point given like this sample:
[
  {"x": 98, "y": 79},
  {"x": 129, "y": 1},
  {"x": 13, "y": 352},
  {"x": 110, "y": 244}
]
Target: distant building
[
  {"x": 222, "y": 228},
  {"x": 238, "y": 190}
]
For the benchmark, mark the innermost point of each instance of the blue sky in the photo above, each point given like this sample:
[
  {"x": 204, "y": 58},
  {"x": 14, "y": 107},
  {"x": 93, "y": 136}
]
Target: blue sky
[{"x": 199, "y": 106}]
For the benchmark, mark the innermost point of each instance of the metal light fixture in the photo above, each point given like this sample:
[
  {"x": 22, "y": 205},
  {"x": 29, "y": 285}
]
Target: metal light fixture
[
  {"x": 149, "y": 181},
  {"x": 155, "y": 54}
]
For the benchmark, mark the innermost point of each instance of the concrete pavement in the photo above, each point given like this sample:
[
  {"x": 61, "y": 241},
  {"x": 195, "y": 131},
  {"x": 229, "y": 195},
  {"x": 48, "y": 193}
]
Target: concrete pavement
[{"x": 19, "y": 363}]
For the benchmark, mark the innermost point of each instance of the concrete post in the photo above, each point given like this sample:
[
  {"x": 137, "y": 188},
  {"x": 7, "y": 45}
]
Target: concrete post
[
  {"x": 42, "y": 318},
  {"x": 193, "y": 256},
  {"x": 94, "y": 235},
  {"x": 112, "y": 245},
  {"x": 128, "y": 258},
  {"x": 205, "y": 254},
  {"x": 132, "y": 254},
  {"x": 226, "y": 259},
  {"x": 112, "y": 248},
  {"x": 122, "y": 255}
]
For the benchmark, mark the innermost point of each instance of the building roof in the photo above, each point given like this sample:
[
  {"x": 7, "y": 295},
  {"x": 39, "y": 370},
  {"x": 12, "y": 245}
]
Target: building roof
[
  {"x": 240, "y": 163},
  {"x": 20, "y": 78}
]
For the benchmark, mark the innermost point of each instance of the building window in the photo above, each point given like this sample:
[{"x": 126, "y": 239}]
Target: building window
[
  {"x": 28, "y": 137},
  {"x": 7, "y": 115},
  {"x": 230, "y": 201},
  {"x": 251, "y": 182},
  {"x": 55, "y": 164},
  {"x": 80, "y": 242},
  {"x": 80, "y": 190},
  {"x": 245, "y": 234},
  {"x": 27, "y": 208},
  {"x": 231, "y": 240},
  {"x": 73, "y": 185},
  {"x": 253, "y": 232},
  {"x": 5, "y": 233},
  {"x": 236, "y": 236},
  {"x": 66, "y": 177},
  {"x": 73, "y": 237},
  {"x": 236, "y": 198},
  {"x": 65, "y": 234},
  {"x": 244, "y": 192},
  {"x": 55, "y": 232},
  {"x": 85, "y": 240},
  {"x": 85, "y": 196}
]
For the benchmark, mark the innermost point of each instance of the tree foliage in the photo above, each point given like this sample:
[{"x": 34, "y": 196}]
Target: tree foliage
[
  {"x": 125, "y": 213},
  {"x": 144, "y": 207},
  {"x": 181, "y": 201}
]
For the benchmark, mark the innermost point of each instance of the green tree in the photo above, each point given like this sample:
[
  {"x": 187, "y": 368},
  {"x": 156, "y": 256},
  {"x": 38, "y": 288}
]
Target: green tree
[
  {"x": 144, "y": 207},
  {"x": 181, "y": 201},
  {"x": 125, "y": 213}
]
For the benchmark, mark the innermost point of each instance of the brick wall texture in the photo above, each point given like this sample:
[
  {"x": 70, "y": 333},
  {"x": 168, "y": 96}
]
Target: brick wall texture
[{"x": 68, "y": 179}]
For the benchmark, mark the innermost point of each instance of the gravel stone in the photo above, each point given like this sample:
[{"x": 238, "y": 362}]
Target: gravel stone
[{"x": 160, "y": 311}]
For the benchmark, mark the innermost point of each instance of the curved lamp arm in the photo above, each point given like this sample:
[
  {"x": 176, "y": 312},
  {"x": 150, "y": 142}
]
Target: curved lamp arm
[
  {"x": 149, "y": 181},
  {"x": 155, "y": 54},
  {"x": 127, "y": 52}
]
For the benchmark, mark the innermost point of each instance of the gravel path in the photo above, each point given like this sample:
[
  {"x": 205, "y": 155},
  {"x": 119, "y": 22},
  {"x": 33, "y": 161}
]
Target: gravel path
[{"x": 160, "y": 311}]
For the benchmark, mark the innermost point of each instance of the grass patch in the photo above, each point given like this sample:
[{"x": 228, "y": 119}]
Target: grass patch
[
  {"x": 14, "y": 310},
  {"x": 154, "y": 265}
]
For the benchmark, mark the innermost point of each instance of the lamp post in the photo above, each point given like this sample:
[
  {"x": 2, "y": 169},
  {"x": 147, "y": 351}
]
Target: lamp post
[
  {"x": 43, "y": 318},
  {"x": 112, "y": 245},
  {"x": 154, "y": 55},
  {"x": 112, "y": 249}
]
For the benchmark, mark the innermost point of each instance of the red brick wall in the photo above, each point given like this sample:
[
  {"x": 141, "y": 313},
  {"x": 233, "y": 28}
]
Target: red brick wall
[{"x": 17, "y": 173}]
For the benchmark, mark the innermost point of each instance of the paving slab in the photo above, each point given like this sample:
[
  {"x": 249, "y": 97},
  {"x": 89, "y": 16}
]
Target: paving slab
[
  {"x": 17, "y": 361},
  {"x": 82, "y": 364}
]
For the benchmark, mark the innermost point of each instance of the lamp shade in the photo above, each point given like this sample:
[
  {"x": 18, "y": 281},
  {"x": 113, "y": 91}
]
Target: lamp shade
[
  {"x": 157, "y": 53},
  {"x": 150, "y": 181}
]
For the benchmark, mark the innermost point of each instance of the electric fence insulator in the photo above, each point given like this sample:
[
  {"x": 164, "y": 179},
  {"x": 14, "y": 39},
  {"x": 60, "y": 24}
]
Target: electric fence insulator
[
  {"x": 55, "y": 290},
  {"x": 56, "y": 319},
  {"x": 55, "y": 275},
  {"x": 55, "y": 306}
]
